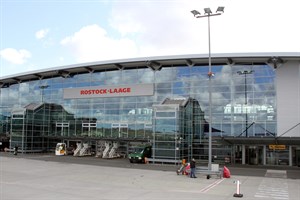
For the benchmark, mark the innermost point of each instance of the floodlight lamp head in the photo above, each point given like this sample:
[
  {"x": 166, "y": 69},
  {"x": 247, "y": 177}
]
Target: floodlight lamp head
[
  {"x": 207, "y": 11},
  {"x": 220, "y": 9},
  {"x": 275, "y": 61},
  {"x": 195, "y": 13},
  {"x": 189, "y": 62},
  {"x": 245, "y": 72},
  {"x": 43, "y": 86}
]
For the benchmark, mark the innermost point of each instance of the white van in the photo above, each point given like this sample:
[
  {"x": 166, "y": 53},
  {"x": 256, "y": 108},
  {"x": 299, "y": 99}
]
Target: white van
[{"x": 61, "y": 149}]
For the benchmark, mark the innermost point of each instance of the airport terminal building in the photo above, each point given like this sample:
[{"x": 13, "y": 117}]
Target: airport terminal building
[{"x": 107, "y": 107}]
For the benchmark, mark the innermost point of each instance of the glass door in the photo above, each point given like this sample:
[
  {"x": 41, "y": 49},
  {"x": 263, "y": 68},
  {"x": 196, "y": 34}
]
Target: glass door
[{"x": 119, "y": 130}]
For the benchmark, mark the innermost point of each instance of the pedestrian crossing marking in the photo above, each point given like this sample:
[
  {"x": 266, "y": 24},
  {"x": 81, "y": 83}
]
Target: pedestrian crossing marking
[
  {"x": 273, "y": 188},
  {"x": 276, "y": 173}
]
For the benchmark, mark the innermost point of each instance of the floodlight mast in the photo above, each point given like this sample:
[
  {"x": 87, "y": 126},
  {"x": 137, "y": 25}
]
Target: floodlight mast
[
  {"x": 245, "y": 73},
  {"x": 43, "y": 87},
  {"x": 208, "y": 13}
]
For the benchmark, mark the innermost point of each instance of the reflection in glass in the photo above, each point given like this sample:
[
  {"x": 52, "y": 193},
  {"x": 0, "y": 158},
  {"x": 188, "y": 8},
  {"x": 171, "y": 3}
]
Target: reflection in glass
[{"x": 173, "y": 126}]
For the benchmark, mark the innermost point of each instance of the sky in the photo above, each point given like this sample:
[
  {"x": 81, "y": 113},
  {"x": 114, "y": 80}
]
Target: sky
[{"x": 42, "y": 34}]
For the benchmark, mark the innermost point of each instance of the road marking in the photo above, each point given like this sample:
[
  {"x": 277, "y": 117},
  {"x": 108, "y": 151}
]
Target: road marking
[
  {"x": 273, "y": 188},
  {"x": 41, "y": 156},
  {"x": 214, "y": 184},
  {"x": 276, "y": 173}
]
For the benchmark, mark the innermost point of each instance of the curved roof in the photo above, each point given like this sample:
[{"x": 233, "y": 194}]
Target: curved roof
[{"x": 156, "y": 63}]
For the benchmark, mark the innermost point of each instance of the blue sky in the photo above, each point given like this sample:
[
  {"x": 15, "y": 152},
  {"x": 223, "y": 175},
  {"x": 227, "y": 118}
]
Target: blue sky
[{"x": 51, "y": 33}]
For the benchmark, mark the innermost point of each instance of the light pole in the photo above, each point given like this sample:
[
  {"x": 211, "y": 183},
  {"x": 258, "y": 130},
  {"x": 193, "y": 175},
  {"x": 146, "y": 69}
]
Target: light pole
[
  {"x": 43, "y": 87},
  {"x": 208, "y": 14},
  {"x": 245, "y": 73}
]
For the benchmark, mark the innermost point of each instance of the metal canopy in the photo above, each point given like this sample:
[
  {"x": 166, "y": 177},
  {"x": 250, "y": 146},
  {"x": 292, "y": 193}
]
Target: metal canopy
[
  {"x": 149, "y": 62},
  {"x": 259, "y": 140}
]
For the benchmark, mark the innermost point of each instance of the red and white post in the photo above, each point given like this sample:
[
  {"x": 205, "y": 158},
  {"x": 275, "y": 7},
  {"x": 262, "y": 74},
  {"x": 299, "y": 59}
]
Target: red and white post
[{"x": 238, "y": 193}]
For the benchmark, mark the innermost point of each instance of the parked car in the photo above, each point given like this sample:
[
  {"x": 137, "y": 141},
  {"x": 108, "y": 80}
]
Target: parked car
[{"x": 140, "y": 153}]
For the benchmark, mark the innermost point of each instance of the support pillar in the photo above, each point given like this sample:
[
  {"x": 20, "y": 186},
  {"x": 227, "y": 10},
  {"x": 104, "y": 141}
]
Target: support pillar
[
  {"x": 243, "y": 154},
  {"x": 264, "y": 155},
  {"x": 290, "y": 156}
]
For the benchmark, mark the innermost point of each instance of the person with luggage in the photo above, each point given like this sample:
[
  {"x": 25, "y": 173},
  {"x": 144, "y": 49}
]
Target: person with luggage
[
  {"x": 184, "y": 168},
  {"x": 193, "y": 168}
]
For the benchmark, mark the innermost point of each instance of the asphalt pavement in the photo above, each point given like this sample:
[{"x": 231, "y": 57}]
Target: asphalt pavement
[
  {"x": 49, "y": 177},
  {"x": 246, "y": 170}
]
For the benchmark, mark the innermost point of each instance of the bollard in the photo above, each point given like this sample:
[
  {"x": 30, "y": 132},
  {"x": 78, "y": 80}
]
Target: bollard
[{"x": 237, "y": 194}]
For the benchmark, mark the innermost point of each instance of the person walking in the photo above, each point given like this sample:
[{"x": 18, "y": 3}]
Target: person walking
[
  {"x": 16, "y": 150},
  {"x": 193, "y": 168}
]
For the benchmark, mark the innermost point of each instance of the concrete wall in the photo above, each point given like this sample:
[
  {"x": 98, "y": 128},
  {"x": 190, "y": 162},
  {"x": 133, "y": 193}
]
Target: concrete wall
[{"x": 288, "y": 99}]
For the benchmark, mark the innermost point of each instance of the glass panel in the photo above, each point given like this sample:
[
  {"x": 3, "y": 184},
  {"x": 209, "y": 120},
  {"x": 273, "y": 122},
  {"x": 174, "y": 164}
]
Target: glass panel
[{"x": 239, "y": 102}]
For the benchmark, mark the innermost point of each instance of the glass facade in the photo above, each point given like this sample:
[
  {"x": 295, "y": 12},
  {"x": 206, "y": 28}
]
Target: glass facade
[
  {"x": 240, "y": 104},
  {"x": 178, "y": 128}
]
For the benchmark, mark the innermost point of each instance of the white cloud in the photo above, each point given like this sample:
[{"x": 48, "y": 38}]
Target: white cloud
[
  {"x": 15, "y": 56},
  {"x": 137, "y": 34},
  {"x": 164, "y": 28},
  {"x": 41, "y": 33},
  {"x": 159, "y": 28},
  {"x": 91, "y": 43},
  {"x": 155, "y": 28}
]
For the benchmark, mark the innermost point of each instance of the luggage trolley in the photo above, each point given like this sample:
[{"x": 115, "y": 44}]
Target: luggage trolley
[{"x": 184, "y": 168}]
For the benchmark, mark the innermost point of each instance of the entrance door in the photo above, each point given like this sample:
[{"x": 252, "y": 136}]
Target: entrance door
[
  {"x": 298, "y": 157},
  {"x": 89, "y": 129},
  {"x": 254, "y": 155},
  {"x": 251, "y": 155},
  {"x": 62, "y": 128},
  {"x": 119, "y": 130}
]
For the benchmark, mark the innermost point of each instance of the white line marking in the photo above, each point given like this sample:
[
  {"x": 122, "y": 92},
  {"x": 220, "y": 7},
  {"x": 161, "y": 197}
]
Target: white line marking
[{"x": 214, "y": 184}]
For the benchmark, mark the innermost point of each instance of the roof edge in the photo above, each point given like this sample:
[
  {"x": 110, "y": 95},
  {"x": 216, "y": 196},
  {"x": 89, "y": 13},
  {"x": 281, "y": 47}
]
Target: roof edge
[{"x": 160, "y": 58}]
